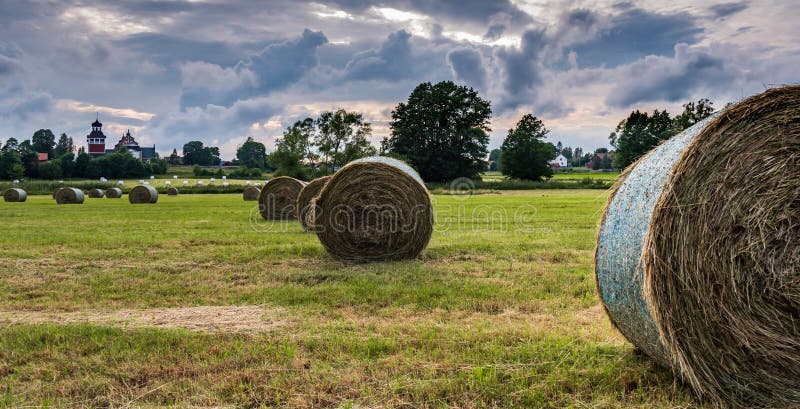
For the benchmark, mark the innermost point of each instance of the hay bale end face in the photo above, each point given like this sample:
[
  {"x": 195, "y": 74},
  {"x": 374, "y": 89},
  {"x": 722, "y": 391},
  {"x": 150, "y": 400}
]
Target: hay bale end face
[
  {"x": 15, "y": 195},
  {"x": 69, "y": 195},
  {"x": 173, "y": 191},
  {"x": 251, "y": 193},
  {"x": 96, "y": 194},
  {"x": 373, "y": 209},
  {"x": 114, "y": 193},
  {"x": 278, "y": 199},
  {"x": 143, "y": 194},
  {"x": 698, "y": 261},
  {"x": 304, "y": 200}
]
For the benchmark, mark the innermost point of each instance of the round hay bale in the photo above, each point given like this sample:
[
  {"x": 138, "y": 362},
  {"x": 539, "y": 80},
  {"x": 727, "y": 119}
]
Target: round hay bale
[
  {"x": 96, "y": 194},
  {"x": 69, "y": 195},
  {"x": 373, "y": 209},
  {"x": 698, "y": 256},
  {"x": 251, "y": 193},
  {"x": 304, "y": 205},
  {"x": 173, "y": 191},
  {"x": 114, "y": 193},
  {"x": 143, "y": 194},
  {"x": 15, "y": 195},
  {"x": 278, "y": 199}
]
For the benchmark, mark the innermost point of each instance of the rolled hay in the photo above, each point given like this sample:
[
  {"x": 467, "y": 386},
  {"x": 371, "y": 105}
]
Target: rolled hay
[
  {"x": 304, "y": 200},
  {"x": 69, "y": 195},
  {"x": 114, "y": 193},
  {"x": 96, "y": 194},
  {"x": 698, "y": 256},
  {"x": 15, "y": 195},
  {"x": 251, "y": 193},
  {"x": 143, "y": 194},
  {"x": 373, "y": 209},
  {"x": 173, "y": 191},
  {"x": 278, "y": 199}
]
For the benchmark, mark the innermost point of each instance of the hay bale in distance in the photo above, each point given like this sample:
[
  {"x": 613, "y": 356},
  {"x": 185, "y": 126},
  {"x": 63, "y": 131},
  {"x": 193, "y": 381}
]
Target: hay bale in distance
[
  {"x": 15, "y": 195},
  {"x": 173, "y": 191},
  {"x": 114, "y": 193},
  {"x": 304, "y": 205},
  {"x": 698, "y": 261},
  {"x": 278, "y": 199},
  {"x": 69, "y": 195},
  {"x": 143, "y": 194},
  {"x": 374, "y": 209},
  {"x": 96, "y": 194},
  {"x": 251, "y": 193}
]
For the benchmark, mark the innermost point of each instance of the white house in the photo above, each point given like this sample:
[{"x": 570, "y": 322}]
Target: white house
[{"x": 559, "y": 162}]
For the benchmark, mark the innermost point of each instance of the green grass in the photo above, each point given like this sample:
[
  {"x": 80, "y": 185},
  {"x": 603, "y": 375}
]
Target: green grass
[{"x": 500, "y": 311}]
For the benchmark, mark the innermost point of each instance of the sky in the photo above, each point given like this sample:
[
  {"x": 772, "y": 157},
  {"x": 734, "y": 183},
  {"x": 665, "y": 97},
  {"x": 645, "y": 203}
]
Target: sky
[{"x": 220, "y": 71}]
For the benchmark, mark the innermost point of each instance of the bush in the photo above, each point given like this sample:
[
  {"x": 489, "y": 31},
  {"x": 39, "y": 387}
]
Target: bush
[{"x": 50, "y": 170}]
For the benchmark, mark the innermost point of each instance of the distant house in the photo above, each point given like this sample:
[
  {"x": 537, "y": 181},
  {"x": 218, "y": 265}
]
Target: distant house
[
  {"x": 42, "y": 156},
  {"x": 559, "y": 162},
  {"x": 97, "y": 144}
]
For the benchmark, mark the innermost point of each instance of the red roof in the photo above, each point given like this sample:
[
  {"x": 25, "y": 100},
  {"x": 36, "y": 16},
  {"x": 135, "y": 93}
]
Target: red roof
[{"x": 42, "y": 156}]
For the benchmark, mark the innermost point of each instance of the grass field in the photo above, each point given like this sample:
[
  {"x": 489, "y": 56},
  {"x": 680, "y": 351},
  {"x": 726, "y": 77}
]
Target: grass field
[{"x": 190, "y": 302}]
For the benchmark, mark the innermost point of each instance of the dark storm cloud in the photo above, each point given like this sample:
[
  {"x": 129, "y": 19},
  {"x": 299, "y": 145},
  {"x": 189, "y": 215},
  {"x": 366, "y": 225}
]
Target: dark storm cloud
[
  {"x": 636, "y": 33},
  {"x": 494, "y": 32},
  {"x": 521, "y": 69},
  {"x": 728, "y": 9},
  {"x": 391, "y": 61},
  {"x": 169, "y": 50},
  {"x": 670, "y": 79},
  {"x": 467, "y": 66},
  {"x": 452, "y": 10}
]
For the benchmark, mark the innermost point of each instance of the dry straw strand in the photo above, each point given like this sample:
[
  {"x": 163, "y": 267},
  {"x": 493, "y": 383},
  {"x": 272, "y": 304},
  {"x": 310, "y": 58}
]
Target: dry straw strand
[
  {"x": 143, "y": 194},
  {"x": 304, "y": 200},
  {"x": 698, "y": 257},
  {"x": 251, "y": 193},
  {"x": 374, "y": 209},
  {"x": 15, "y": 195},
  {"x": 69, "y": 195},
  {"x": 278, "y": 199}
]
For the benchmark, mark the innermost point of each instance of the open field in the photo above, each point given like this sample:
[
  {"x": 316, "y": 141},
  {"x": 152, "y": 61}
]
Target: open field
[{"x": 187, "y": 302}]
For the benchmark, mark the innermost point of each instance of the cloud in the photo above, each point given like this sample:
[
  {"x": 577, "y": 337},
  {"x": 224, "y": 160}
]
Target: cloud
[
  {"x": 17, "y": 102},
  {"x": 391, "y": 61},
  {"x": 689, "y": 71},
  {"x": 727, "y": 9},
  {"x": 467, "y": 67},
  {"x": 494, "y": 32},
  {"x": 8, "y": 66}
]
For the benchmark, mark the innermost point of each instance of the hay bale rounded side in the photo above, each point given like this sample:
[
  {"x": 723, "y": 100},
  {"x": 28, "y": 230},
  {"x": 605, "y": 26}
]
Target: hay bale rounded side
[
  {"x": 278, "y": 199},
  {"x": 114, "y": 193},
  {"x": 143, "y": 194},
  {"x": 251, "y": 193},
  {"x": 172, "y": 191},
  {"x": 304, "y": 200},
  {"x": 698, "y": 261},
  {"x": 374, "y": 209},
  {"x": 96, "y": 194},
  {"x": 69, "y": 195},
  {"x": 15, "y": 195}
]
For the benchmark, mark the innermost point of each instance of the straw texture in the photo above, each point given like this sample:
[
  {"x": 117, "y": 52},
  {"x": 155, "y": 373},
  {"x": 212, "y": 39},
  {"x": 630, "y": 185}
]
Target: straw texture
[
  {"x": 69, "y": 195},
  {"x": 278, "y": 198},
  {"x": 114, "y": 193},
  {"x": 143, "y": 194},
  {"x": 15, "y": 195},
  {"x": 251, "y": 193},
  {"x": 96, "y": 194},
  {"x": 304, "y": 204},
  {"x": 172, "y": 191}
]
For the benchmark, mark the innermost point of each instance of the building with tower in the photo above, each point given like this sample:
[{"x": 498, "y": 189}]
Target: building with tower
[{"x": 96, "y": 141}]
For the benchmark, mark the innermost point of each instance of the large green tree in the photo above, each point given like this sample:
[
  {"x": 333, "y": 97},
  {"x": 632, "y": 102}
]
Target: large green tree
[
  {"x": 442, "y": 131},
  {"x": 342, "y": 137},
  {"x": 64, "y": 146},
  {"x": 194, "y": 153},
  {"x": 693, "y": 112},
  {"x": 44, "y": 141},
  {"x": 494, "y": 159},
  {"x": 252, "y": 154},
  {"x": 525, "y": 153},
  {"x": 293, "y": 149}
]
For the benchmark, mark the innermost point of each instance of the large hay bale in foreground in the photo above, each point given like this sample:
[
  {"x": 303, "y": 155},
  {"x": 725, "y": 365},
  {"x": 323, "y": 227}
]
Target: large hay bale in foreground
[
  {"x": 15, "y": 195},
  {"x": 698, "y": 257},
  {"x": 114, "y": 193},
  {"x": 96, "y": 194},
  {"x": 373, "y": 209},
  {"x": 173, "y": 191},
  {"x": 69, "y": 195},
  {"x": 143, "y": 194},
  {"x": 278, "y": 198},
  {"x": 304, "y": 200},
  {"x": 251, "y": 193}
]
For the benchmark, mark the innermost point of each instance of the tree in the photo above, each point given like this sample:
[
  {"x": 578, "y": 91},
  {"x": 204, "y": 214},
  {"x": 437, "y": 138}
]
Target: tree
[
  {"x": 441, "y": 131},
  {"x": 44, "y": 141},
  {"x": 252, "y": 154},
  {"x": 692, "y": 114},
  {"x": 292, "y": 149},
  {"x": 64, "y": 146},
  {"x": 525, "y": 153},
  {"x": 342, "y": 137},
  {"x": 29, "y": 159},
  {"x": 194, "y": 153},
  {"x": 10, "y": 165},
  {"x": 67, "y": 161},
  {"x": 639, "y": 133},
  {"x": 174, "y": 158},
  {"x": 82, "y": 164},
  {"x": 50, "y": 170},
  {"x": 11, "y": 145},
  {"x": 494, "y": 159}
]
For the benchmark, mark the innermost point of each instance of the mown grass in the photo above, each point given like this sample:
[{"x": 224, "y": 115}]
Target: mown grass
[{"x": 500, "y": 311}]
